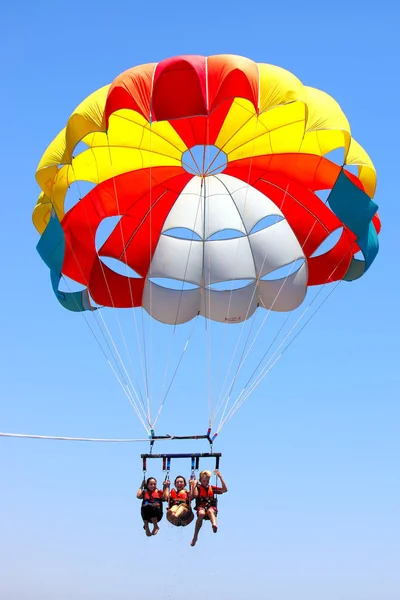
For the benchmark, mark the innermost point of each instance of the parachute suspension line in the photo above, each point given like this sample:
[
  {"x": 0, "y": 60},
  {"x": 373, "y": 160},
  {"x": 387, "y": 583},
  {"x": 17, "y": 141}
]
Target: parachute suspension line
[
  {"x": 222, "y": 346},
  {"x": 244, "y": 324},
  {"x": 267, "y": 368},
  {"x": 208, "y": 364},
  {"x": 280, "y": 329},
  {"x": 219, "y": 401},
  {"x": 163, "y": 398},
  {"x": 121, "y": 361},
  {"x": 244, "y": 358},
  {"x": 125, "y": 388},
  {"x": 129, "y": 396},
  {"x": 173, "y": 337},
  {"x": 129, "y": 393},
  {"x": 195, "y": 321},
  {"x": 141, "y": 364},
  {"x": 245, "y": 394},
  {"x": 150, "y": 384},
  {"x": 124, "y": 248},
  {"x": 245, "y": 354},
  {"x": 146, "y": 377},
  {"x": 137, "y": 393},
  {"x": 207, "y": 269},
  {"x": 207, "y": 273}
]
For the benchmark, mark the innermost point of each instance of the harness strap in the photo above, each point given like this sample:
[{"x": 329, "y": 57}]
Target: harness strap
[{"x": 206, "y": 501}]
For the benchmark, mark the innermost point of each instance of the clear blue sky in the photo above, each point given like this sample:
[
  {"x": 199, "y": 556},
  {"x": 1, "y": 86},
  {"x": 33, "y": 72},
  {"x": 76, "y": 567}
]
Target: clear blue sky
[{"x": 318, "y": 442}]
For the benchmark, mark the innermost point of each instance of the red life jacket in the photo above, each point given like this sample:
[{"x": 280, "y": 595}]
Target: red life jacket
[
  {"x": 178, "y": 497},
  {"x": 152, "y": 497},
  {"x": 206, "y": 497}
]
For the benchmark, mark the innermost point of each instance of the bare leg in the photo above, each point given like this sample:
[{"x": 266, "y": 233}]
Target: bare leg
[
  {"x": 156, "y": 528},
  {"x": 213, "y": 519},
  {"x": 146, "y": 528},
  {"x": 197, "y": 527},
  {"x": 171, "y": 515},
  {"x": 181, "y": 512}
]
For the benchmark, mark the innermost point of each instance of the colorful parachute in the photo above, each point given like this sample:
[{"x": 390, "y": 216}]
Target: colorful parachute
[
  {"x": 216, "y": 173},
  {"x": 204, "y": 145}
]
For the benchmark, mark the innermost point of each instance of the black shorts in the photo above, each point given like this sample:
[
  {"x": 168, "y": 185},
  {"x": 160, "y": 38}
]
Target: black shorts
[{"x": 152, "y": 511}]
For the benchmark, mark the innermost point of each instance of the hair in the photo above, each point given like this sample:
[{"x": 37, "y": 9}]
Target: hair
[
  {"x": 208, "y": 473},
  {"x": 180, "y": 477},
  {"x": 149, "y": 479}
]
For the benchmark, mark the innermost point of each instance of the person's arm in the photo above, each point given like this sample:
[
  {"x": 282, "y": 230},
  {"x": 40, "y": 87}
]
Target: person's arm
[
  {"x": 194, "y": 492},
  {"x": 223, "y": 488},
  {"x": 166, "y": 485},
  {"x": 141, "y": 490}
]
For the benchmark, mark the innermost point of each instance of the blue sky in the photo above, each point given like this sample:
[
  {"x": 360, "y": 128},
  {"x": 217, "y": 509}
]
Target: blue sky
[{"x": 317, "y": 442}]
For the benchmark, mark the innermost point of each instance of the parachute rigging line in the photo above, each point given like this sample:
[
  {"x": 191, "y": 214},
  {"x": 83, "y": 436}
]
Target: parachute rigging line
[
  {"x": 243, "y": 394},
  {"x": 164, "y": 397},
  {"x": 118, "y": 361},
  {"x": 130, "y": 292},
  {"x": 124, "y": 386},
  {"x": 212, "y": 416},
  {"x": 244, "y": 354}
]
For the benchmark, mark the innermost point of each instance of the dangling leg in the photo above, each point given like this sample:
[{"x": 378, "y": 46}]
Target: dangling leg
[
  {"x": 200, "y": 516},
  {"x": 145, "y": 516},
  {"x": 156, "y": 528},
  {"x": 146, "y": 528},
  {"x": 213, "y": 518}
]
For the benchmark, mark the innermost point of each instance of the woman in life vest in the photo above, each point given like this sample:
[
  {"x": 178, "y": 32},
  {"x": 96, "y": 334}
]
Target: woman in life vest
[
  {"x": 206, "y": 501},
  {"x": 152, "y": 499},
  {"x": 179, "y": 510}
]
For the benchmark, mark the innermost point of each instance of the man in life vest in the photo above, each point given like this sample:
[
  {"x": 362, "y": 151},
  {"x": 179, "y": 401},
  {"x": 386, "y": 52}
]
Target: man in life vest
[
  {"x": 152, "y": 500},
  {"x": 206, "y": 501},
  {"x": 179, "y": 510}
]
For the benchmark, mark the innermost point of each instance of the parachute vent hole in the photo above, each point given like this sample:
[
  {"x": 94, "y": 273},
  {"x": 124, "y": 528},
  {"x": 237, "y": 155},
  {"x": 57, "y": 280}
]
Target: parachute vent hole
[
  {"x": 173, "y": 284},
  {"x": 353, "y": 169},
  {"x": 230, "y": 286},
  {"x": 359, "y": 256},
  {"x": 104, "y": 230},
  {"x": 226, "y": 234},
  {"x": 119, "y": 267},
  {"x": 283, "y": 272},
  {"x": 204, "y": 160},
  {"x": 323, "y": 195},
  {"x": 79, "y": 148},
  {"x": 266, "y": 222},
  {"x": 328, "y": 243},
  {"x": 183, "y": 233},
  {"x": 336, "y": 156},
  {"x": 68, "y": 285}
]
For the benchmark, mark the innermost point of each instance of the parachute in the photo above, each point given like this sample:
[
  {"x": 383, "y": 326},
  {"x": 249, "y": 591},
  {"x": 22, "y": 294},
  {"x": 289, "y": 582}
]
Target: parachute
[{"x": 213, "y": 185}]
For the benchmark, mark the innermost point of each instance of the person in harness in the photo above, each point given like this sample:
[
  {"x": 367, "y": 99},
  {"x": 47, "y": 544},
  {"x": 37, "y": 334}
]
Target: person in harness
[
  {"x": 152, "y": 499},
  {"x": 205, "y": 496},
  {"x": 179, "y": 510}
]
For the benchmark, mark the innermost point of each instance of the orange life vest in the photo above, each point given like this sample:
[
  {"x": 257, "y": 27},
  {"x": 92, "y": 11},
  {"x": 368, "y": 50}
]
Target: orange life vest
[
  {"x": 181, "y": 497},
  {"x": 152, "y": 497},
  {"x": 206, "y": 497}
]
